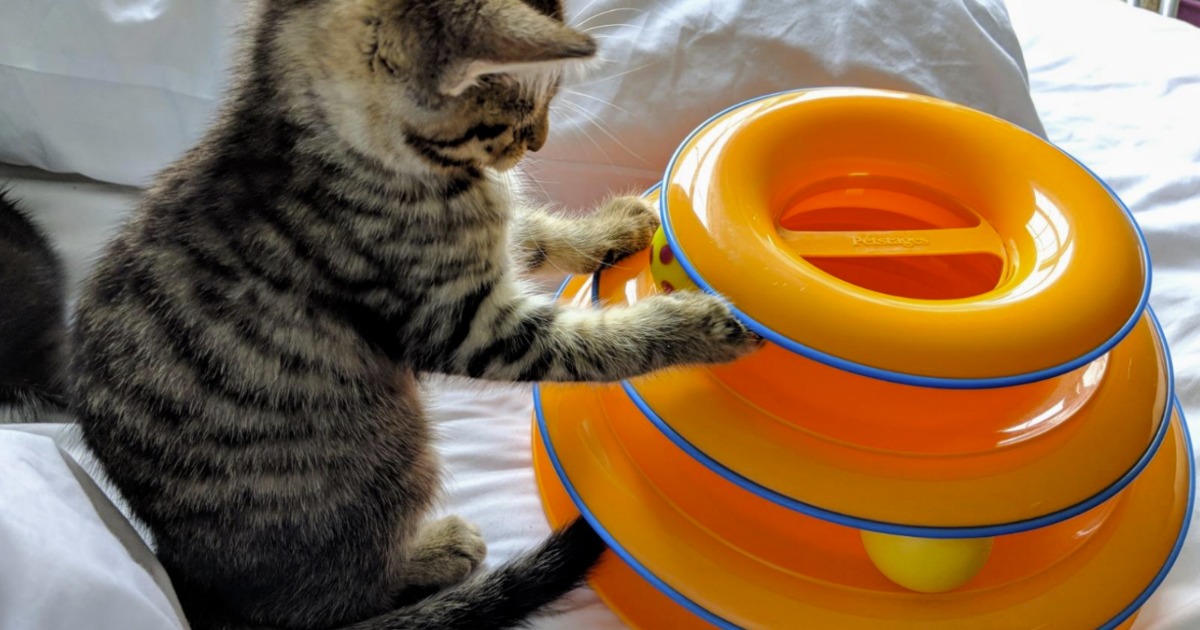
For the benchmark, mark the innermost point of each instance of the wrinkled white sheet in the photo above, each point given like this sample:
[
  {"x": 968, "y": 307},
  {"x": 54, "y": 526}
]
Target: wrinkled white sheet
[
  {"x": 666, "y": 70},
  {"x": 1116, "y": 91}
]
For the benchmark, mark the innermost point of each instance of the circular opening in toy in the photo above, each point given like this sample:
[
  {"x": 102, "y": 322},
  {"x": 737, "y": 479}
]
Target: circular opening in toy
[{"x": 887, "y": 226}]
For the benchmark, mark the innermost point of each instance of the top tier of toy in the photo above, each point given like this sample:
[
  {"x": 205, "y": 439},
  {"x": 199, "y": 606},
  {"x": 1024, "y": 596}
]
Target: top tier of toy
[{"x": 905, "y": 238}]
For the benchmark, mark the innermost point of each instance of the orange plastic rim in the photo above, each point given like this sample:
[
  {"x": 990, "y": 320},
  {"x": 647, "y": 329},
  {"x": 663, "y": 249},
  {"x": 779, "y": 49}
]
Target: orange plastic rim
[
  {"x": 851, "y": 445},
  {"x": 905, "y": 235},
  {"x": 756, "y": 565}
]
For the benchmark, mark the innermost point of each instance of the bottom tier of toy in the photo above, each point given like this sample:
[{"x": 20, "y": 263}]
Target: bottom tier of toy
[{"x": 693, "y": 550}]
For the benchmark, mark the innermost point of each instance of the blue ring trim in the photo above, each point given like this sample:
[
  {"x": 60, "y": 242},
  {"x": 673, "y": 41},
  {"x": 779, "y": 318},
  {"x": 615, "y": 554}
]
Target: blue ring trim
[
  {"x": 889, "y": 375},
  {"x": 638, "y": 567},
  {"x": 710, "y": 617},
  {"x": 1183, "y": 531},
  {"x": 563, "y": 287},
  {"x": 596, "y": 288},
  {"x": 914, "y": 530}
]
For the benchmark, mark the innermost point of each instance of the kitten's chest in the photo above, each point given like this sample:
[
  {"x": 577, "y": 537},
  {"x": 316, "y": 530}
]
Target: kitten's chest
[{"x": 435, "y": 241}]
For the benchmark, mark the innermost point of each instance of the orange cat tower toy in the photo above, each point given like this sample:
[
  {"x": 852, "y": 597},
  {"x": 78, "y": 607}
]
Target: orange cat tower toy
[{"x": 964, "y": 416}]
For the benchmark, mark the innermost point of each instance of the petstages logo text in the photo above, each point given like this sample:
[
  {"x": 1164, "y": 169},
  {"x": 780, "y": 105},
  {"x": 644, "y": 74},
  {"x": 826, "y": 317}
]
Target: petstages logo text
[{"x": 907, "y": 242}]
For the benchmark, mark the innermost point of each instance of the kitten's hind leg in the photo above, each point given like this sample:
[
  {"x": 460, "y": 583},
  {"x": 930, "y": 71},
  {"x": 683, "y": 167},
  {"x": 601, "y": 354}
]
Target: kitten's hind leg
[
  {"x": 620, "y": 227},
  {"x": 444, "y": 553}
]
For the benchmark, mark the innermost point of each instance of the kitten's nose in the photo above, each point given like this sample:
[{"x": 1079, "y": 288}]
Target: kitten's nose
[{"x": 535, "y": 135}]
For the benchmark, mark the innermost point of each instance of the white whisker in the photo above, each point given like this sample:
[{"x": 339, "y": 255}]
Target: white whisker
[
  {"x": 582, "y": 10},
  {"x": 604, "y": 13},
  {"x": 529, "y": 177},
  {"x": 619, "y": 74},
  {"x": 619, "y": 38},
  {"x": 592, "y": 29},
  {"x": 588, "y": 116},
  {"x": 598, "y": 100},
  {"x": 594, "y": 143}
]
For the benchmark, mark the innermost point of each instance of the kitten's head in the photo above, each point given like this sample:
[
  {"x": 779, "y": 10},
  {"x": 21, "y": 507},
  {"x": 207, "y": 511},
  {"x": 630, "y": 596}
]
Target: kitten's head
[{"x": 443, "y": 82}]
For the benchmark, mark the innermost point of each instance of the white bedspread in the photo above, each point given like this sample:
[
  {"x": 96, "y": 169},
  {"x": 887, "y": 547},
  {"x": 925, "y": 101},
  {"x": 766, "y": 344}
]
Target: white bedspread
[{"x": 1119, "y": 89}]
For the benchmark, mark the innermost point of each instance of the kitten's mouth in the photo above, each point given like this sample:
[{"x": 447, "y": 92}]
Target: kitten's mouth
[
  {"x": 509, "y": 157},
  {"x": 526, "y": 139}
]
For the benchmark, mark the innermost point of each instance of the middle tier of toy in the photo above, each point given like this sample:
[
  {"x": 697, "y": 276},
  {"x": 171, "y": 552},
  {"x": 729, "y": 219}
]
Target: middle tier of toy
[{"x": 845, "y": 447}]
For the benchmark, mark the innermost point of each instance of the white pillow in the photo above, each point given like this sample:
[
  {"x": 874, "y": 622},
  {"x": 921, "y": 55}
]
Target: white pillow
[
  {"x": 115, "y": 89},
  {"x": 70, "y": 559},
  {"x": 110, "y": 89}
]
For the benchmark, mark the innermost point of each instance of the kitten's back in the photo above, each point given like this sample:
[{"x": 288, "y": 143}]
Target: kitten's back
[{"x": 32, "y": 318}]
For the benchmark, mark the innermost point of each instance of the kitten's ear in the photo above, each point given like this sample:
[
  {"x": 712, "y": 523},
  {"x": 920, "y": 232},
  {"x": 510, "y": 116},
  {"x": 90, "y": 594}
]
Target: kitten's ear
[{"x": 514, "y": 37}]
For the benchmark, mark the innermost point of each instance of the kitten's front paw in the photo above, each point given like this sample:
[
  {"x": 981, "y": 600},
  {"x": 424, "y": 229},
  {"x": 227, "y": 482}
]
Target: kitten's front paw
[
  {"x": 711, "y": 333},
  {"x": 624, "y": 226}
]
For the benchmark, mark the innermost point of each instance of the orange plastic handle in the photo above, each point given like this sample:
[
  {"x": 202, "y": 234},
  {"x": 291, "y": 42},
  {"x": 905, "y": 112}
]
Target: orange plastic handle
[{"x": 931, "y": 242}]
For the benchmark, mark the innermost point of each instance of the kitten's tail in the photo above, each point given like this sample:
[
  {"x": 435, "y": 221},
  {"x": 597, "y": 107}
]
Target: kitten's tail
[
  {"x": 32, "y": 314},
  {"x": 506, "y": 597}
]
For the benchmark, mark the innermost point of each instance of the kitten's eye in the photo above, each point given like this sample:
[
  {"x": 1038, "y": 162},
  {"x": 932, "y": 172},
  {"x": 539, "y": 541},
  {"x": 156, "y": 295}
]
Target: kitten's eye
[
  {"x": 389, "y": 67},
  {"x": 497, "y": 79}
]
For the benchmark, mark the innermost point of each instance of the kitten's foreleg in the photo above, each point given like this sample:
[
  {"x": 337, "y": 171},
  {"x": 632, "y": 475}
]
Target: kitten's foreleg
[
  {"x": 510, "y": 335},
  {"x": 544, "y": 242}
]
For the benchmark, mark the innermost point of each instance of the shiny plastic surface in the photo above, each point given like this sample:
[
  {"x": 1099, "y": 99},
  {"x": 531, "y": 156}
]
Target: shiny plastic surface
[
  {"x": 753, "y": 564},
  {"x": 853, "y": 445},
  {"x": 905, "y": 234}
]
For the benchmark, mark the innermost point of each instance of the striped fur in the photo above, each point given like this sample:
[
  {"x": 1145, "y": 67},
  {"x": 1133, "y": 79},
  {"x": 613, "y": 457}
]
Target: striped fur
[
  {"x": 32, "y": 318},
  {"x": 248, "y": 351}
]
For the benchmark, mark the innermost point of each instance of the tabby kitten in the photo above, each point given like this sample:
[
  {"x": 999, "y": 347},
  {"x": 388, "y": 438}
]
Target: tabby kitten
[
  {"x": 32, "y": 317},
  {"x": 247, "y": 354}
]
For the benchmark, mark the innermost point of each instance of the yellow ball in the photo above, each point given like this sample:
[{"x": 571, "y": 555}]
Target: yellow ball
[
  {"x": 665, "y": 267},
  {"x": 927, "y": 565}
]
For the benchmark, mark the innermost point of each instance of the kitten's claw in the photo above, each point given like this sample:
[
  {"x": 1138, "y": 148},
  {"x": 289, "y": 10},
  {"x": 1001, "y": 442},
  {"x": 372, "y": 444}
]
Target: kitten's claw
[
  {"x": 716, "y": 335},
  {"x": 624, "y": 226}
]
